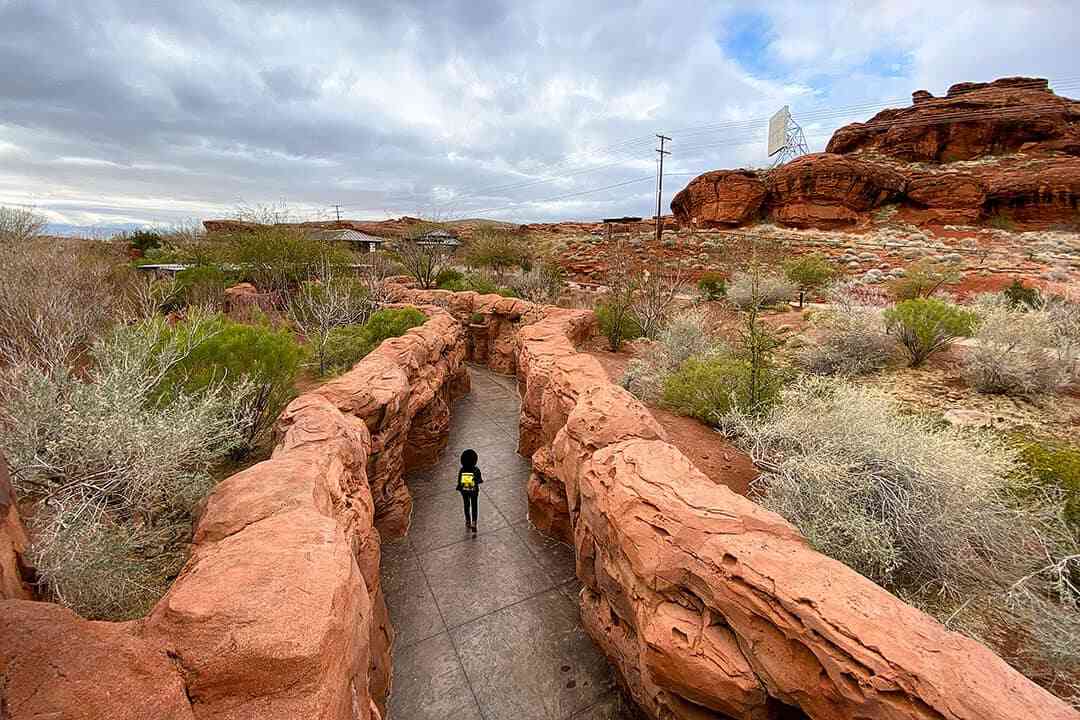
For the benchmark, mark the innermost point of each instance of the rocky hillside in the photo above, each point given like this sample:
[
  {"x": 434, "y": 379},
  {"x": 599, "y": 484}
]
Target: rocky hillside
[{"x": 1004, "y": 153}]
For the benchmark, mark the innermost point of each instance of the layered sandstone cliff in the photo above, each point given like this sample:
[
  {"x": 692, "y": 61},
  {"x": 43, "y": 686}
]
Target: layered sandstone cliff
[{"x": 1009, "y": 148}]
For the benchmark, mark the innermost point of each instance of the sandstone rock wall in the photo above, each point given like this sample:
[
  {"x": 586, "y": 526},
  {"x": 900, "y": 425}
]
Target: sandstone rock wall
[
  {"x": 279, "y": 612},
  {"x": 12, "y": 541},
  {"x": 709, "y": 605}
]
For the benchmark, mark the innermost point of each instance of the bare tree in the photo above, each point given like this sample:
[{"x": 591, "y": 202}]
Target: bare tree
[
  {"x": 655, "y": 297},
  {"x": 422, "y": 261},
  {"x": 331, "y": 301},
  {"x": 19, "y": 225}
]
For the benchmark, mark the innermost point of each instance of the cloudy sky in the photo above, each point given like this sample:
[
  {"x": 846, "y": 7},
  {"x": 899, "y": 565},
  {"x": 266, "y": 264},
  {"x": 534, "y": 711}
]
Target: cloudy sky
[{"x": 144, "y": 111}]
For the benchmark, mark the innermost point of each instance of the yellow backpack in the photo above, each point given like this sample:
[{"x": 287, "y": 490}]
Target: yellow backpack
[{"x": 468, "y": 481}]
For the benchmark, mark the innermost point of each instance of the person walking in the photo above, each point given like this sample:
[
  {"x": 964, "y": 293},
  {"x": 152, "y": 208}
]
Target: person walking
[{"x": 468, "y": 484}]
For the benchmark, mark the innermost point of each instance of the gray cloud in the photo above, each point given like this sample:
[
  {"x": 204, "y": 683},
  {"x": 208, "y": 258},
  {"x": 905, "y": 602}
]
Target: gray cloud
[{"x": 127, "y": 111}]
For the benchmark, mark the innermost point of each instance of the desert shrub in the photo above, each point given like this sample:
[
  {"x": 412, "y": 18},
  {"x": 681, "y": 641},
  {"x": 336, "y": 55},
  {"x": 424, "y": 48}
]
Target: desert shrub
[
  {"x": 924, "y": 278},
  {"x": 278, "y": 258},
  {"x": 203, "y": 285},
  {"x": 55, "y": 297},
  {"x": 20, "y": 225},
  {"x": 143, "y": 240},
  {"x": 853, "y": 341},
  {"x": 1022, "y": 296},
  {"x": 617, "y": 322},
  {"x": 497, "y": 249},
  {"x": 924, "y": 326},
  {"x": 347, "y": 344},
  {"x": 1056, "y": 465},
  {"x": 809, "y": 272},
  {"x": 332, "y": 300},
  {"x": 479, "y": 282},
  {"x": 945, "y": 518},
  {"x": 1016, "y": 353},
  {"x": 686, "y": 335},
  {"x": 904, "y": 503},
  {"x": 854, "y": 293},
  {"x": 449, "y": 278},
  {"x": 113, "y": 468},
  {"x": 748, "y": 290},
  {"x": 257, "y": 364},
  {"x": 710, "y": 388},
  {"x": 654, "y": 298},
  {"x": 712, "y": 286},
  {"x": 543, "y": 283},
  {"x": 423, "y": 262}
]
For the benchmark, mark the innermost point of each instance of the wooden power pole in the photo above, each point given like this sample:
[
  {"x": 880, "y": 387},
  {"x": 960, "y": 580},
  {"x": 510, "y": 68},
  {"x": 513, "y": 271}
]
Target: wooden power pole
[
  {"x": 337, "y": 211},
  {"x": 660, "y": 184}
]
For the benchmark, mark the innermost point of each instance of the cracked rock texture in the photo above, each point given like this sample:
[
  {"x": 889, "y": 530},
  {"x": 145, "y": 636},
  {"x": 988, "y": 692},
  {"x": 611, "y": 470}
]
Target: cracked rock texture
[
  {"x": 279, "y": 612},
  {"x": 711, "y": 606},
  {"x": 12, "y": 541}
]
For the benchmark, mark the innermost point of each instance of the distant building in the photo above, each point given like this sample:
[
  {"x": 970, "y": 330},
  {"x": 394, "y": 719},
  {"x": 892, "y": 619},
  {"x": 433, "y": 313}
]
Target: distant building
[
  {"x": 439, "y": 237},
  {"x": 361, "y": 242}
]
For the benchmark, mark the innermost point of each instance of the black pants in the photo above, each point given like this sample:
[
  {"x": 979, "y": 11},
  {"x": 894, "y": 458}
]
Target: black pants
[{"x": 470, "y": 499}]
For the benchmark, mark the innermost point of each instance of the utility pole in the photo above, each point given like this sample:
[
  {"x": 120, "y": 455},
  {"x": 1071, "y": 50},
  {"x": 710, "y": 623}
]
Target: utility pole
[
  {"x": 660, "y": 184},
  {"x": 337, "y": 211}
]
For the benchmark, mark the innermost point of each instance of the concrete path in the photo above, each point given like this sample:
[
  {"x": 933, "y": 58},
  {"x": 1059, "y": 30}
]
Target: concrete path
[{"x": 487, "y": 625}]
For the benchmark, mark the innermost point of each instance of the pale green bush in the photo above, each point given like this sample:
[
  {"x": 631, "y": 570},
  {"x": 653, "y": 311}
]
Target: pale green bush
[
  {"x": 1016, "y": 352},
  {"x": 747, "y": 290},
  {"x": 113, "y": 469}
]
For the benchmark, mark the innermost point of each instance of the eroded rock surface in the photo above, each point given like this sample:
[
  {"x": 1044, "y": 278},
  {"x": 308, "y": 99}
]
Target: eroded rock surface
[
  {"x": 711, "y": 606},
  {"x": 13, "y": 541},
  {"x": 1006, "y": 151},
  {"x": 279, "y": 613}
]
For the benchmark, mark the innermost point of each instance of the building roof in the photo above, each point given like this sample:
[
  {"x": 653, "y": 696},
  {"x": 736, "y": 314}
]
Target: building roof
[
  {"x": 437, "y": 237},
  {"x": 350, "y": 236}
]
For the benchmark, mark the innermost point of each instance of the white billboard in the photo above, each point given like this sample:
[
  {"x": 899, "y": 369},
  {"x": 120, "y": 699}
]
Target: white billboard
[{"x": 778, "y": 124}]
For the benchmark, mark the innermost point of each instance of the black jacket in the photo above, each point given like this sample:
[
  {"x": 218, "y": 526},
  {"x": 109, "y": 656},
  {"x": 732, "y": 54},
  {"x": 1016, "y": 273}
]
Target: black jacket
[{"x": 477, "y": 478}]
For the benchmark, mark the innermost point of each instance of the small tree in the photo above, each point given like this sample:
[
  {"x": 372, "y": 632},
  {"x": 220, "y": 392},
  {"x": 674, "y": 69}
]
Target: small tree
[
  {"x": 926, "y": 325},
  {"x": 19, "y": 225},
  {"x": 923, "y": 278},
  {"x": 320, "y": 306},
  {"x": 423, "y": 262},
  {"x": 809, "y": 272},
  {"x": 497, "y": 249},
  {"x": 655, "y": 296},
  {"x": 615, "y": 311},
  {"x": 143, "y": 240}
]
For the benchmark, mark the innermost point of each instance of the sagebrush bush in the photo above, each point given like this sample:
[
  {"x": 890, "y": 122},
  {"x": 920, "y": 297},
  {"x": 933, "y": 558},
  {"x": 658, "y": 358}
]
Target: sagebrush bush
[
  {"x": 764, "y": 290},
  {"x": 481, "y": 282},
  {"x": 853, "y": 341},
  {"x": 1022, "y": 296},
  {"x": 686, "y": 335},
  {"x": 1016, "y": 353},
  {"x": 543, "y": 283},
  {"x": 712, "y": 286},
  {"x": 904, "y": 503},
  {"x": 348, "y": 344},
  {"x": 924, "y": 326},
  {"x": 944, "y": 518},
  {"x": 257, "y": 363},
  {"x": 113, "y": 468},
  {"x": 710, "y": 388}
]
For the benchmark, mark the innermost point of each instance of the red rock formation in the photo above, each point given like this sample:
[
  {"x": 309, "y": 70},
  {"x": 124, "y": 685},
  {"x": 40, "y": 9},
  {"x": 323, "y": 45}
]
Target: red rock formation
[
  {"x": 54, "y": 664},
  {"x": 279, "y": 612},
  {"x": 869, "y": 164},
  {"x": 824, "y": 190},
  {"x": 719, "y": 198},
  {"x": 13, "y": 541},
  {"x": 973, "y": 120}
]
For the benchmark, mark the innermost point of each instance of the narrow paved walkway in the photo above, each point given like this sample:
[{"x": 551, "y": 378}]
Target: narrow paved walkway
[{"x": 487, "y": 625}]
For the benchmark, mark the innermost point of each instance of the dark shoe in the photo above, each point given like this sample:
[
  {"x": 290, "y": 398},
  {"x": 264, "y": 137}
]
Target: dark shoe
[{"x": 474, "y": 528}]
